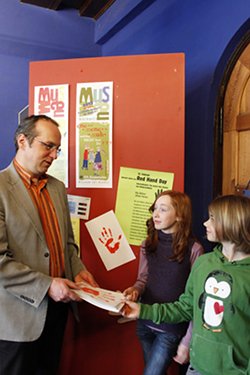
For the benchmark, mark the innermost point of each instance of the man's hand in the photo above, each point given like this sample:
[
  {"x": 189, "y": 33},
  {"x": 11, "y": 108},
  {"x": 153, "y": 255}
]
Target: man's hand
[
  {"x": 60, "y": 290},
  {"x": 86, "y": 276}
]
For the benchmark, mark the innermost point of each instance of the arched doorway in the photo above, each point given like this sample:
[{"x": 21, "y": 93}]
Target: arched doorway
[
  {"x": 232, "y": 124},
  {"x": 236, "y": 129}
]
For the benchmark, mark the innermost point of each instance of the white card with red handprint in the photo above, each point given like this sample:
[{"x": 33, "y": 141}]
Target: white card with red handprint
[
  {"x": 103, "y": 298},
  {"x": 110, "y": 240}
]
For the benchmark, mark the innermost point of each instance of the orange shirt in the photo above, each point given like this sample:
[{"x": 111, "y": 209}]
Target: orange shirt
[{"x": 41, "y": 198}]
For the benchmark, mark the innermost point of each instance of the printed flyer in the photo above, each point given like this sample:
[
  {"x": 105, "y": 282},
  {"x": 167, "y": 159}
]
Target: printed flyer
[
  {"x": 137, "y": 190},
  {"x": 94, "y": 117}
]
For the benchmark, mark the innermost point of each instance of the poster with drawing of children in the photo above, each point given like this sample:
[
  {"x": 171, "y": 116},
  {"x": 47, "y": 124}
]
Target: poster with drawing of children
[{"x": 94, "y": 108}]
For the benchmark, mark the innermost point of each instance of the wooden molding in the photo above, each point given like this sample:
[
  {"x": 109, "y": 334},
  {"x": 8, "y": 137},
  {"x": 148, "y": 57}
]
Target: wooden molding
[{"x": 243, "y": 122}]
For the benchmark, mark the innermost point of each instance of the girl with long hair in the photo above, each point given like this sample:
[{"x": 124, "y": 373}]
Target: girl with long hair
[{"x": 166, "y": 258}]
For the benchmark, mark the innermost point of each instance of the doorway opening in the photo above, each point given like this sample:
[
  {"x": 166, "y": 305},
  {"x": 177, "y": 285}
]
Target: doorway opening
[{"x": 232, "y": 124}]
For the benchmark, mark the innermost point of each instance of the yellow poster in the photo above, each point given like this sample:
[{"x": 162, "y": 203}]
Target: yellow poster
[
  {"x": 137, "y": 190},
  {"x": 76, "y": 230}
]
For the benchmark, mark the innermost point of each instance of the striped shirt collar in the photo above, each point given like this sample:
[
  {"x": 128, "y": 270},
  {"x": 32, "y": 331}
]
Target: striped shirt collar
[{"x": 27, "y": 178}]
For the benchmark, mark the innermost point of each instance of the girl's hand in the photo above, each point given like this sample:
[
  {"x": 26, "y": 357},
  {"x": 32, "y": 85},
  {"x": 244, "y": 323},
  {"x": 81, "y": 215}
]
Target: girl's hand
[
  {"x": 182, "y": 355},
  {"x": 131, "y": 310},
  {"x": 131, "y": 294}
]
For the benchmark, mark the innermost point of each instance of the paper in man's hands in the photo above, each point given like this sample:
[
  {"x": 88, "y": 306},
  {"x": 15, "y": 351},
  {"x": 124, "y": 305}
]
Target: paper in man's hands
[{"x": 105, "y": 299}]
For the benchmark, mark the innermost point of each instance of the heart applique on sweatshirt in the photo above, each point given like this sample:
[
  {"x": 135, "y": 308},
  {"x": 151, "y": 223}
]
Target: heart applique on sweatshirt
[{"x": 218, "y": 308}]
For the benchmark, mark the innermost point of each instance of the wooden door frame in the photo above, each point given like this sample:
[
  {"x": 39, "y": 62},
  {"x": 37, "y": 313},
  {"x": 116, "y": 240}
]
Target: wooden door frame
[{"x": 219, "y": 113}]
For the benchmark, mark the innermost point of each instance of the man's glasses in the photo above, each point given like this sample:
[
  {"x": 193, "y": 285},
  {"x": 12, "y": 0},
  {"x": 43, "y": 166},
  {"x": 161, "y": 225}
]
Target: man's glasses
[{"x": 49, "y": 146}]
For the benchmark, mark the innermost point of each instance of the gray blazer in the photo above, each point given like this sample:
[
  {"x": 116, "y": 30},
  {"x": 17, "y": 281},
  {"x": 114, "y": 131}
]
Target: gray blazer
[{"x": 24, "y": 256}]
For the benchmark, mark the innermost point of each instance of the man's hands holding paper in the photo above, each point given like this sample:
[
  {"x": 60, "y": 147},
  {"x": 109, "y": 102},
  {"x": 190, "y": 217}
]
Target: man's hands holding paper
[
  {"x": 86, "y": 276},
  {"x": 62, "y": 290}
]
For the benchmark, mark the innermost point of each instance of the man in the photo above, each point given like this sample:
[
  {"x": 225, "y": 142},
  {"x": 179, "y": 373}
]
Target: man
[{"x": 38, "y": 255}]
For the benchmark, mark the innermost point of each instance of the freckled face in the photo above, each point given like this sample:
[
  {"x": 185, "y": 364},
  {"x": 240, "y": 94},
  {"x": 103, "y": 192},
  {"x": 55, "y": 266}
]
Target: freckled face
[{"x": 164, "y": 215}]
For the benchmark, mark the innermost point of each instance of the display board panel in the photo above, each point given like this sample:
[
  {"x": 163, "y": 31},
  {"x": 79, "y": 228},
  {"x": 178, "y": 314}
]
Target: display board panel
[{"x": 148, "y": 134}]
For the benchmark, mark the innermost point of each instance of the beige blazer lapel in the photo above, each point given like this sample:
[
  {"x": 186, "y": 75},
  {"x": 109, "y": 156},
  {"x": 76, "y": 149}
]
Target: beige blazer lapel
[{"x": 22, "y": 198}]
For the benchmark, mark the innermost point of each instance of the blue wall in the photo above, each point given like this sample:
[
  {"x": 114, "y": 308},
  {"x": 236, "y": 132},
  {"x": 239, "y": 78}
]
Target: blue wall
[
  {"x": 204, "y": 30},
  {"x": 30, "y": 33}
]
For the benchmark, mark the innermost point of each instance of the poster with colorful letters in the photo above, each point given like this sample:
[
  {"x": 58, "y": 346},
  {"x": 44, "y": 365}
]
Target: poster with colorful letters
[
  {"x": 53, "y": 101},
  {"x": 94, "y": 112}
]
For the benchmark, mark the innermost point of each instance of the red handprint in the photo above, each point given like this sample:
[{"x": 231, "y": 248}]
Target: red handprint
[
  {"x": 90, "y": 291},
  {"x": 108, "y": 241}
]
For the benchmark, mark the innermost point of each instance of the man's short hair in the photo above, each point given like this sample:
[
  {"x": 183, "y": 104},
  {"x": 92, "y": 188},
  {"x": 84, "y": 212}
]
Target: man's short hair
[{"x": 28, "y": 127}]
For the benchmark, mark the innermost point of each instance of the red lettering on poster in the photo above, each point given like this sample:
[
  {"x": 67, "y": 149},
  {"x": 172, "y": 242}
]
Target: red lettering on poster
[{"x": 48, "y": 101}]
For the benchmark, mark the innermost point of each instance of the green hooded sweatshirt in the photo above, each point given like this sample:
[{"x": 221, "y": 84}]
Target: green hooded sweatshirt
[{"x": 217, "y": 299}]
